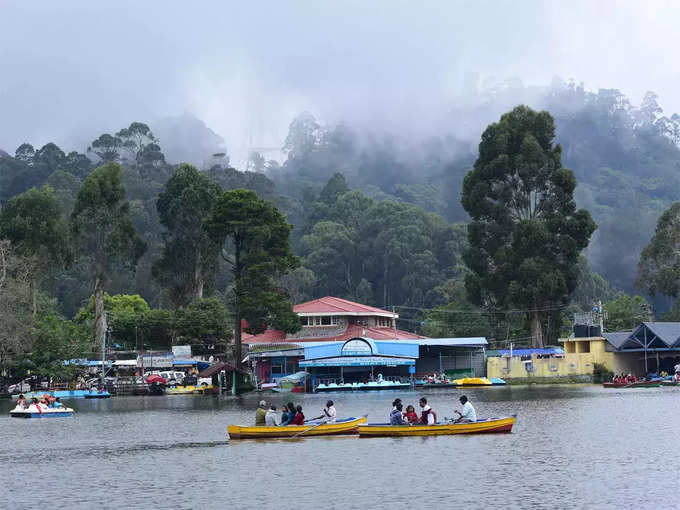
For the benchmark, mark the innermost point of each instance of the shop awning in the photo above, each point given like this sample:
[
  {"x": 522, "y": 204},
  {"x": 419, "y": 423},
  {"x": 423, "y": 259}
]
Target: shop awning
[{"x": 358, "y": 361}]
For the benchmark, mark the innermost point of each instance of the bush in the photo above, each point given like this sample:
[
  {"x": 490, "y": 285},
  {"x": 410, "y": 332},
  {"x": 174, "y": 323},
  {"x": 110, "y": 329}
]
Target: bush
[{"x": 601, "y": 373}]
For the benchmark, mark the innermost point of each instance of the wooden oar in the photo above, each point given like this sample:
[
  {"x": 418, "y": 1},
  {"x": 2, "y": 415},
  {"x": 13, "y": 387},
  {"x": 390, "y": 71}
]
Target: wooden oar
[{"x": 307, "y": 430}]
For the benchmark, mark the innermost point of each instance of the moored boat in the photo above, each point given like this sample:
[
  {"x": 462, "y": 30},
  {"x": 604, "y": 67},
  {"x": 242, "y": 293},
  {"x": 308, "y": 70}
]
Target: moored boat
[
  {"x": 670, "y": 383},
  {"x": 369, "y": 386},
  {"x": 472, "y": 381},
  {"x": 203, "y": 389},
  {"x": 488, "y": 426},
  {"x": 345, "y": 426},
  {"x": 97, "y": 394},
  {"x": 65, "y": 394},
  {"x": 33, "y": 411},
  {"x": 639, "y": 384}
]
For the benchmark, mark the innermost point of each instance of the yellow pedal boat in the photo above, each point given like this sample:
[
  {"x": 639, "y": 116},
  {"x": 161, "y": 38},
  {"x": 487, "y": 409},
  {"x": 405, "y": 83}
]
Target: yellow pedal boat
[
  {"x": 346, "y": 426},
  {"x": 490, "y": 425},
  {"x": 472, "y": 381},
  {"x": 191, "y": 390}
]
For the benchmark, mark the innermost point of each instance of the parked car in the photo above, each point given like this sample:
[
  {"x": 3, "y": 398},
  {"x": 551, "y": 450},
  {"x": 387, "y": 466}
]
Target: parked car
[
  {"x": 174, "y": 378},
  {"x": 20, "y": 387},
  {"x": 26, "y": 385},
  {"x": 96, "y": 382}
]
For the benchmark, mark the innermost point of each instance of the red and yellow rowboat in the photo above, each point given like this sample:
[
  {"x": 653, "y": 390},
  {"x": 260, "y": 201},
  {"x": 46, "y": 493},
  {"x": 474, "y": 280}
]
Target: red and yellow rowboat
[
  {"x": 346, "y": 426},
  {"x": 490, "y": 425}
]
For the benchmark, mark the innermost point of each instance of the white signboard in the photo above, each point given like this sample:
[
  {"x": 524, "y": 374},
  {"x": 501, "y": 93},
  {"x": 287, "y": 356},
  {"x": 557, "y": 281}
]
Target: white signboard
[
  {"x": 181, "y": 351},
  {"x": 157, "y": 362}
]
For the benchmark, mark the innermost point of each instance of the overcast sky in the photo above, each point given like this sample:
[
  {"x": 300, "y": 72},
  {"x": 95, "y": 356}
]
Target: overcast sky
[{"x": 72, "y": 69}]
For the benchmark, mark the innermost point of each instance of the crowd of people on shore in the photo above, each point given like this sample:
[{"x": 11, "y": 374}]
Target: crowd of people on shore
[
  {"x": 290, "y": 415},
  {"x": 46, "y": 402},
  {"x": 428, "y": 416}
]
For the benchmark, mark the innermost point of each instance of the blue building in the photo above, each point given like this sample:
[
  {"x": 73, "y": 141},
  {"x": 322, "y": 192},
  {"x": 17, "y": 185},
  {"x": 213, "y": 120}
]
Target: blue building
[{"x": 360, "y": 360}]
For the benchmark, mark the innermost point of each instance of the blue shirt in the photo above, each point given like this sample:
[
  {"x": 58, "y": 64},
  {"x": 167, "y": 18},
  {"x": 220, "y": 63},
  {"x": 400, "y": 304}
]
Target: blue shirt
[{"x": 396, "y": 418}]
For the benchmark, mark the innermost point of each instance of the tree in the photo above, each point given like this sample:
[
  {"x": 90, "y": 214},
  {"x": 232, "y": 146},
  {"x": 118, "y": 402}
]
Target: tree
[
  {"x": 103, "y": 232},
  {"x": 57, "y": 339},
  {"x": 526, "y": 235},
  {"x": 458, "y": 318},
  {"x": 659, "y": 266},
  {"x": 304, "y": 136},
  {"x": 626, "y": 313},
  {"x": 205, "y": 321},
  {"x": 15, "y": 306},
  {"x": 189, "y": 259},
  {"x": 254, "y": 237},
  {"x": 107, "y": 147},
  {"x": 256, "y": 162},
  {"x": 34, "y": 224}
]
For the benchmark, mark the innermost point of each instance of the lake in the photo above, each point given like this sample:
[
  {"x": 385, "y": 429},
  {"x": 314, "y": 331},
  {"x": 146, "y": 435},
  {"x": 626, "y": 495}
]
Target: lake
[{"x": 572, "y": 446}]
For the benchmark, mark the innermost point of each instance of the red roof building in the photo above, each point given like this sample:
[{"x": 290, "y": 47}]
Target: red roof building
[{"x": 334, "y": 319}]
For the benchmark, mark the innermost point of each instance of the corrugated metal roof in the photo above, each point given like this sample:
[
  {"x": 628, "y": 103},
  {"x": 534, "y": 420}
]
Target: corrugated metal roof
[
  {"x": 617, "y": 338},
  {"x": 668, "y": 332},
  {"x": 352, "y": 331},
  {"x": 331, "y": 305},
  {"x": 551, "y": 351}
]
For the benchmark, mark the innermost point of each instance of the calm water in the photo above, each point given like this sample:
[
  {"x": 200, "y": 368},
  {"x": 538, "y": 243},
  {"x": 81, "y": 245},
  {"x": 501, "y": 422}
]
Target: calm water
[{"x": 572, "y": 446}]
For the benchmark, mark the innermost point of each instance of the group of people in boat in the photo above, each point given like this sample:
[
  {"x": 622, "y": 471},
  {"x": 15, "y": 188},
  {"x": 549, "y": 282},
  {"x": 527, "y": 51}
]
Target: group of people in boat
[
  {"x": 428, "y": 416},
  {"x": 624, "y": 379},
  {"x": 46, "y": 402},
  {"x": 632, "y": 378},
  {"x": 290, "y": 415}
]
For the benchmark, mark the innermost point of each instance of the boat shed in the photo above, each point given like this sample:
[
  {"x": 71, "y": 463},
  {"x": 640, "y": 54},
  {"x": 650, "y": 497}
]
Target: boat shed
[
  {"x": 359, "y": 359},
  {"x": 655, "y": 344},
  {"x": 455, "y": 357}
]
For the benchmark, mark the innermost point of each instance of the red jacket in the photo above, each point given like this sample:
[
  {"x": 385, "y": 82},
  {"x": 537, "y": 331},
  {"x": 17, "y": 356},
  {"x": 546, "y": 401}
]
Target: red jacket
[{"x": 298, "y": 420}]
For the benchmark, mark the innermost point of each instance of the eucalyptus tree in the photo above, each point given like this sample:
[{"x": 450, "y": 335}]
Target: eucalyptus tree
[
  {"x": 190, "y": 257},
  {"x": 34, "y": 224},
  {"x": 526, "y": 234},
  {"x": 659, "y": 266},
  {"x": 103, "y": 233},
  {"x": 254, "y": 240}
]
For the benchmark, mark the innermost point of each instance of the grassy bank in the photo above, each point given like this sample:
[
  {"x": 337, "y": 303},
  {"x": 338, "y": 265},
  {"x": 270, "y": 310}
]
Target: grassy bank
[{"x": 567, "y": 379}]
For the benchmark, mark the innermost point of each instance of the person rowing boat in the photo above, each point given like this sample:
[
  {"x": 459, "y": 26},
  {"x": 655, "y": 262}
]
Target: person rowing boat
[
  {"x": 329, "y": 413},
  {"x": 469, "y": 414}
]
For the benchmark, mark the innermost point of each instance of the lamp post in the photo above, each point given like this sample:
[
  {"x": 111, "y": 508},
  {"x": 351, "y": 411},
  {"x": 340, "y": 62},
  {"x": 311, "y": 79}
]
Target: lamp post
[{"x": 106, "y": 331}]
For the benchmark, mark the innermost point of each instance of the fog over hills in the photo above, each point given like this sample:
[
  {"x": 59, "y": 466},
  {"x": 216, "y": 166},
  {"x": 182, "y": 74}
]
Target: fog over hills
[{"x": 73, "y": 69}]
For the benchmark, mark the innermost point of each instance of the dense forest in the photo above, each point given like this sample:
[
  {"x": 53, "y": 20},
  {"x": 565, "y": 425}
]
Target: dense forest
[{"x": 376, "y": 218}]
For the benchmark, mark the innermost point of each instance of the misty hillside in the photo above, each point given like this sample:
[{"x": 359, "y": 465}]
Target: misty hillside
[
  {"x": 625, "y": 158},
  {"x": 398, "y": 238}
]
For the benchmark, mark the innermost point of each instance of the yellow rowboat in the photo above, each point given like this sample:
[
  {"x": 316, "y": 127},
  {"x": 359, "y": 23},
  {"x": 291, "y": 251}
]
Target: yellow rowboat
[
  {"x": 472, "y": 381},
  {"x": 346, "y": 426},
  {"x": 191, "y": 390},
  {"x": 487, "y": 426}
]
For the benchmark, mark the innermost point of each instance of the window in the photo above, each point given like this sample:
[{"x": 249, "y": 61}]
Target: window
[
  {"x": 326, "y": 320},
  {"x": 383, "y": 322}
]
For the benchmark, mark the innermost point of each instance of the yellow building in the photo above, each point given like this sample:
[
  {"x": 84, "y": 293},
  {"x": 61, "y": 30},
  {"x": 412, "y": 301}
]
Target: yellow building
[{"x": 577, "y": 358}]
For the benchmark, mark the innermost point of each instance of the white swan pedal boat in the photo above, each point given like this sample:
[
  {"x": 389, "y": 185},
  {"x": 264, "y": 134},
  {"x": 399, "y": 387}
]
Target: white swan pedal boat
[{"x": 34, "y": 411}]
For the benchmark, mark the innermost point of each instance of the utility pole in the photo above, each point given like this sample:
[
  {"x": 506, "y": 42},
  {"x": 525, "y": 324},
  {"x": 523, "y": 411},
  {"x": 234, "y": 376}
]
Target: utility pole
[
  {"x": 599, "y": 307},
  {"x": 394, "y": 323},
  {"x": 106, "y": 329}
]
